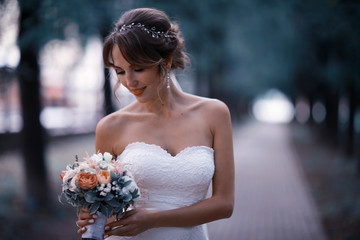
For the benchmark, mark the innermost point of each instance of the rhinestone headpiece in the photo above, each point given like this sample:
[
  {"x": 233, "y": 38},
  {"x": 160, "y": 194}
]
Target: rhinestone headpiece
[{"x": 152, "y": 30}]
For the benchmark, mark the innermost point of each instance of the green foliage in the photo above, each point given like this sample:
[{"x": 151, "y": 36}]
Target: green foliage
[
  {"x": 241, "y": 48},
  {"x": 237, "y": 48},
  {"x": 67, "y": 19}
]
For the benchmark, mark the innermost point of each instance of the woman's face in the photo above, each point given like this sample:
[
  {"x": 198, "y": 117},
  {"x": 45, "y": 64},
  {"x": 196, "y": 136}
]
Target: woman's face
[{"x": 142, "y": 82}]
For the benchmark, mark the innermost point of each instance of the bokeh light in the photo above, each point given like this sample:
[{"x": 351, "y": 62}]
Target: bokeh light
[
  {"x": 302, "y": 110},
  {"x": 273, "y": 107},
  {"x": 318, "y": 112}
]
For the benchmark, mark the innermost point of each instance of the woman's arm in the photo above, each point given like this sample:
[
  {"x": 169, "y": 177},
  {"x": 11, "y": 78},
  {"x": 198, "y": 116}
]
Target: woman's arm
[
  {"x": 105, "y": 134},
  {"x": 219, "y": 205}
]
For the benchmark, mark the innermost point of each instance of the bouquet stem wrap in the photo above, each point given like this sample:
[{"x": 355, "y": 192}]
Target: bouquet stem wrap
[{"x": 96, "y": 230}]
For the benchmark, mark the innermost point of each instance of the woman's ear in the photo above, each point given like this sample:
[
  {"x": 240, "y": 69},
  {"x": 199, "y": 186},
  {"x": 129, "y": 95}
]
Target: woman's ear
[{"x": 168, "y": 62}]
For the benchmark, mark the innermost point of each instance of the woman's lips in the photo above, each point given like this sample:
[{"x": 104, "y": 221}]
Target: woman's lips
[{"x": 138, "y": 91}]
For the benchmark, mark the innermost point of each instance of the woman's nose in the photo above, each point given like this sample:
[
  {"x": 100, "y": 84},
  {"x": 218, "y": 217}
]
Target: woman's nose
[{"x": 129, "y": 77}]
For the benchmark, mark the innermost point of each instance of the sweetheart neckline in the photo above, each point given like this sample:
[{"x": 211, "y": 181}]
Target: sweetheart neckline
[{"x": 164, "y": 150}]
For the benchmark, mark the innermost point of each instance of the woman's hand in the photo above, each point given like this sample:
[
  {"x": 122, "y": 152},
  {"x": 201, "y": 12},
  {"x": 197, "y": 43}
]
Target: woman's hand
[
  {"x": 132, "y": 223},
  {"x": 85, "y": 218}
]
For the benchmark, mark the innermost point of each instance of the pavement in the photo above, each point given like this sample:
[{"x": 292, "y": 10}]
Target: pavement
[{"x": 272, "y": 196}]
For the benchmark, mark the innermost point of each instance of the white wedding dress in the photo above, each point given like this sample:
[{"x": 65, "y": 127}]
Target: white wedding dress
[{"x": 169, "y": 182}]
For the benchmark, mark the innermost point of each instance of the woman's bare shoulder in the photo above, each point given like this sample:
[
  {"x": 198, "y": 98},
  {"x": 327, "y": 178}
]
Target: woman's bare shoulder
[
  {"x": 109, "y": 131},
  {"x": 208, "y": 105},
  {"x": 113, "y": 123}
]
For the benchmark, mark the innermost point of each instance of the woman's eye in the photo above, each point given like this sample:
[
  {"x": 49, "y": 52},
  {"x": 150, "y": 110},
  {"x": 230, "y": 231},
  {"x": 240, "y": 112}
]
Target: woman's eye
[
  {"x": 138, "y": 70},
  {"x": 120, "y": 72}
]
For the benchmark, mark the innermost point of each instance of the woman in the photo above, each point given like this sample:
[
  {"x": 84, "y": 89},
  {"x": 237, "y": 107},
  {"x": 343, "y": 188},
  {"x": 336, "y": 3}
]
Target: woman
[{"x": 174, "y": 143}]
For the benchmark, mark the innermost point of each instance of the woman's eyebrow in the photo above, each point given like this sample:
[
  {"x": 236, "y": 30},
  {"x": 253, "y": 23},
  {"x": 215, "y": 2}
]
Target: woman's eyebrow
[{"x": 117, "y": 67}]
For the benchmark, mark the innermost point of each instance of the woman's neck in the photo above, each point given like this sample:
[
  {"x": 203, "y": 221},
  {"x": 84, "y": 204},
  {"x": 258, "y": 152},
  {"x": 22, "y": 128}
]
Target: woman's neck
[{"x": 165, "y": 104}]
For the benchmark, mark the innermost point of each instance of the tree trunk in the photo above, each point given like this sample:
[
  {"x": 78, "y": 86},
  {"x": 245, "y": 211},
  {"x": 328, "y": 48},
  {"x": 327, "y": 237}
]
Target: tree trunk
[
  {"x": 310, "y": 98},
  {"x": 108, "y": 94},
  {"x": 33, "y": 144},
  {"x": 332, "y": 110},
  {"x": 357, "y": 148},
  {"x": 350, "y": 128}
]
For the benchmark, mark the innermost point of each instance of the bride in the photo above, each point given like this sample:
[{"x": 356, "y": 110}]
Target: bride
[{"x": 175, "y": 144}]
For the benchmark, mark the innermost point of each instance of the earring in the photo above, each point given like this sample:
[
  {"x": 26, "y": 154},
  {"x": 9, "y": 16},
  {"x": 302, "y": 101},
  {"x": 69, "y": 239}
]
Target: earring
[{"x": 168, "y": 79}]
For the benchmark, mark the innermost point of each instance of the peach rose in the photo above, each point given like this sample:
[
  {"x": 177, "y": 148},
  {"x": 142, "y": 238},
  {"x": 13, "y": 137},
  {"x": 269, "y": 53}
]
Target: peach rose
[
  {"x": 86, "y": 180},
  {"x": 103, "y": 177}
]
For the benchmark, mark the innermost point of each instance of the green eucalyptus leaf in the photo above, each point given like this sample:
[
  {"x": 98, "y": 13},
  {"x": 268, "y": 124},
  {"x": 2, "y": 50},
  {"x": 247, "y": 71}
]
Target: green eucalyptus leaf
[
  {"x": 114, "y": 176},
  {"x": 90, "y": 197},
  {"x": 86, "y": 205},
  {"x": 127, "y": 183},
  {"x": 118, "y": 209},
  {"x": 134, "y": 193},
  {"x": 94, "y": 207},
  {"x": 128, "y": 198},
  {"x": 113, "y": 203},
  {"x": 109, "y": 196},
  {"x": 105, "y": 210}
]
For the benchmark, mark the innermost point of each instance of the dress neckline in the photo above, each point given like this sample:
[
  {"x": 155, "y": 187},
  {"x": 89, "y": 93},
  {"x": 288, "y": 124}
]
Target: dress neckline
[{"x": 164, "y": 150}]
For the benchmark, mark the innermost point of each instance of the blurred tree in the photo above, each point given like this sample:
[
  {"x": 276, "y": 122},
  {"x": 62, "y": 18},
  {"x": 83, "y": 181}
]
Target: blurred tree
[
  {"x": 331, "y": 60},
  {"x": 33, "y": 144},
  {"x": 40, "y": 22}
]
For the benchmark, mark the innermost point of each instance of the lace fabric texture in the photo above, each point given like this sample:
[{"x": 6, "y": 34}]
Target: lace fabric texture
[{"x": 169, "y": 182}]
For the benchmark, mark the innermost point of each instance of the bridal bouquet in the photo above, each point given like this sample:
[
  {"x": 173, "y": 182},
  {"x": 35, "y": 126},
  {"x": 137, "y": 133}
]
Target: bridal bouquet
[{"x": 100, "y": 184}]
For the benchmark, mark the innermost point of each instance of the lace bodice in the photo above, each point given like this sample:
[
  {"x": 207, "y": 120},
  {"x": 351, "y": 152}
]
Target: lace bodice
[{"x": 169, "y": 182}]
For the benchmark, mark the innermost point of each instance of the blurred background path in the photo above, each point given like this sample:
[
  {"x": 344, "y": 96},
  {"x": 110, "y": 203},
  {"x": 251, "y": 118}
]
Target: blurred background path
[{"x": 273, "y": 199}]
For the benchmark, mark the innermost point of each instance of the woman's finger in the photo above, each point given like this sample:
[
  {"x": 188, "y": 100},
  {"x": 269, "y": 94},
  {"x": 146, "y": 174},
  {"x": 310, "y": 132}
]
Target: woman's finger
[
  {"x": 82, "y": 223},
  {"x": 121, "y": 222},
  {"x": 84, "y": 210},
  {"x": 119, "y": 230},
  {"x": 129, "y": 213},
  {"x": 81, "y": 230},
  {"x": 86, "y": 215}
]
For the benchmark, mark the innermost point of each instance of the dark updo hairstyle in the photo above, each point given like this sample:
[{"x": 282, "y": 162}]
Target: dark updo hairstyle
[{"x": 139, "y": 47}]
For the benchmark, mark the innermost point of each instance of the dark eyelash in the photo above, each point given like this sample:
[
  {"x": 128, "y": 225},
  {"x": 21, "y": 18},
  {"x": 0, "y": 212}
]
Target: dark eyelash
[{"x": 136, "y": 70}]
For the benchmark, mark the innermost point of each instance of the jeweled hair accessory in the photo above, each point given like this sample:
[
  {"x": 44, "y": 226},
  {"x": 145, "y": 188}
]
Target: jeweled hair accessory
[{"x": 152, "y": 30}]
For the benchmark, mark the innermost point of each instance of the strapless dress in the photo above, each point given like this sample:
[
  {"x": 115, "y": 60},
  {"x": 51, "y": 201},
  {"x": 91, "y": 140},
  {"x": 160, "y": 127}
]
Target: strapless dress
[{"x": 169, "y": 182}]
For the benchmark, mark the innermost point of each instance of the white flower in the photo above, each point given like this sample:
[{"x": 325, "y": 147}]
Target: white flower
[
  {"x": 108, "y": 157},
  {"x": 83, "y": 166},
  {"x": 69, "y": 174},
  {"x": 103, "y": 165},
  {"x": 68, "y": 168},
  {"x": 72, "y": 186},
  {"x": 131, "y": 187},
  {"x": 97, "y": 157},
  {"x": 128, "y": 173}
]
